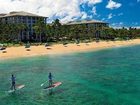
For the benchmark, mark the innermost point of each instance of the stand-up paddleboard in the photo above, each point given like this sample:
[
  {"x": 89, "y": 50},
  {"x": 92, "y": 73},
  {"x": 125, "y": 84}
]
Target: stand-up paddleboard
[
  {"x": 18, "y": 87},
  {"x": 53, "y": 86}
]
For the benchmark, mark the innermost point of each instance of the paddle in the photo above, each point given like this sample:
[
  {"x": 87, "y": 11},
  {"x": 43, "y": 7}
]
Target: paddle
[{"x": 43, "y": 83}]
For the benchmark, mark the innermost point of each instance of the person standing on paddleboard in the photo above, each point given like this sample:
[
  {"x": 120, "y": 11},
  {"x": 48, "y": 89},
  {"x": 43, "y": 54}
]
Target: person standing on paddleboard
[
  {"x": 50, "y": 79},
  {"x": 13, "y": 79}
]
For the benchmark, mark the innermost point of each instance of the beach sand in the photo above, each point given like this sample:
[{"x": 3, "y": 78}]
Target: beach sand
[{"x": 16, "y": 52}]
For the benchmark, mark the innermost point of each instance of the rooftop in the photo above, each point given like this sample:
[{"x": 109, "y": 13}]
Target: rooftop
[
  {"x": 84, "y": 22},
  {"x": 19, "y": 13}
]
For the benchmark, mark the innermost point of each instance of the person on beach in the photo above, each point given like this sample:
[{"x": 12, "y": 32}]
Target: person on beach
[
  {"x": 13, "y": 79},
  {"x": 50, "y": 79}
]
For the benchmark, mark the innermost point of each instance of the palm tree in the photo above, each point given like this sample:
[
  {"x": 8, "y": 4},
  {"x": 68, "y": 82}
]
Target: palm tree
[
  {"x": 104, "y": 33},
  {"x": 39, "y": 28},
  {"x": 56, "y": 25},
  {"x": 20, "y": 29},
  {"x": 7, "y": 32},
  {"x": 12, "y": 32},
  {"x": 49, "y": 32},
  {"x": 122, "y": 33}
]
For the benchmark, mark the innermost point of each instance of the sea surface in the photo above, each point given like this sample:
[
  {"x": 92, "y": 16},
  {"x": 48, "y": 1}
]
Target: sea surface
[{"x": 106, "y": 77}]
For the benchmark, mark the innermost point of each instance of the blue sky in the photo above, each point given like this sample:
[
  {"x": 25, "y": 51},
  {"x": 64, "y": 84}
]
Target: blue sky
[
  {"x": 128, "y": 14},
  {"x": 118, "y": 13}
]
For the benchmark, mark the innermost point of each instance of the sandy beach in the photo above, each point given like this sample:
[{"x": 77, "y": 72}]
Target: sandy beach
[{"x": 16, "y": 52}]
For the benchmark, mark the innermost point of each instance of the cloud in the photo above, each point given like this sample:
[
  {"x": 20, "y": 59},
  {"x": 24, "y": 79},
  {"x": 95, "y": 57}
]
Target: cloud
[
  {"x": 121, "y": 23},
  {"x": 110, "y": 16},
  {"x": 66, "y": 10},
  {"x": 94, "y": 1},
  {"x": 138, "y": 27},
  {"x": 103, "y": 19},
  {"x": 113, "y": 5},
  {"x": 117, "y": 25},
  {"x": 134, "y": 23},
  {"x": 90, "y": 2},
  {"x": 84, "y": 15},
  {"x": 120, "y": 14},
  {"x": 94, "y": 11}
]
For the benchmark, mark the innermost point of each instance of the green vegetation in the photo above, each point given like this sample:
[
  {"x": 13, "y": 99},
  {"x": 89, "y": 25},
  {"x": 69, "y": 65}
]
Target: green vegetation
[{"x": 56, "y": 32}]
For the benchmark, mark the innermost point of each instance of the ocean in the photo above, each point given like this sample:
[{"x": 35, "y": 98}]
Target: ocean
[{"x": 105, "y": 77}]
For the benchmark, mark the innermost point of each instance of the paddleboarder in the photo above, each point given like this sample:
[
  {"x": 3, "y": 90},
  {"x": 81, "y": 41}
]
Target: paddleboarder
[
  {"x": 50, "y": 79},
  {"x": 13, "y": 79}
]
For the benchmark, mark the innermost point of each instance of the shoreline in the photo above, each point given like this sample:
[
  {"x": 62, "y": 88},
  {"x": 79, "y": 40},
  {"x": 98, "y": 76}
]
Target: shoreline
[{"x": 20, "y": 52}]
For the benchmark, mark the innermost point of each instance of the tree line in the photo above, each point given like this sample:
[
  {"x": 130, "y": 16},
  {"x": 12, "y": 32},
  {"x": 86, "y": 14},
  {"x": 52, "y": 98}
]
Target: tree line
[{"x": 54, "y": 32}]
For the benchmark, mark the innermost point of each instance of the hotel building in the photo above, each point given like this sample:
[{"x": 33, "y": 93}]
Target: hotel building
[
  {"x": 26, "y": 18},
  {"x": 92, "y": 27}
]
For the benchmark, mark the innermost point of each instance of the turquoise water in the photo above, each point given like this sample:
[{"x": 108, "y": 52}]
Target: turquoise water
[{"x": 107, "y": 77}]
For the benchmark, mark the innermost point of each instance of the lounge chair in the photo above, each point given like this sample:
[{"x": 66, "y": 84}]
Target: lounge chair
[
  {"x": 3, "y": 49},
  {"x": 87, "y": 42},
  {"x": 65, "y": 44},
  {"x": 27, "y": 46},
  {"x": 47, "y": 46},
  {"x": 77, "y": 42}
]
